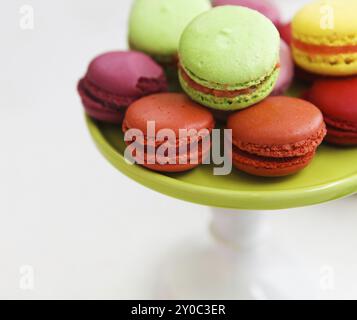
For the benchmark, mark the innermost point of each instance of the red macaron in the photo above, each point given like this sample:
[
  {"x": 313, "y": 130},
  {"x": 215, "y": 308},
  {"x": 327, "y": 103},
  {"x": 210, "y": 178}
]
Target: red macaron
[
  {"x": 277, "y": 137},
  {"x": 114, "y": 80},
  {"x": 164, "y": 119},
  {"x": 337, "y": 99}
]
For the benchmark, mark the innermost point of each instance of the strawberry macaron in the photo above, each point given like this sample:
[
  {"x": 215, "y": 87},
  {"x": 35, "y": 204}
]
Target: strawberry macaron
[
  {"x": 168, "y": 132},
  {"x": 114, "y": 80},
  {"x": 277, "y": 137},
  {"x": 337, "y": 99}
]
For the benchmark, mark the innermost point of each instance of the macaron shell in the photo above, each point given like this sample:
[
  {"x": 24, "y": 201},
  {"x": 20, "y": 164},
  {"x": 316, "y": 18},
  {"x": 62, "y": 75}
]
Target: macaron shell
[
  {"x": 331, "y": 23},
  {"x": 155, "y": 26},
  {"x": 276, "y": 121},
  {"x": 121, "y": 72},
  {"x": 335, "y": 65},
  {"x": 336, "y": 98},
  {"x": 176, "y": 168},
  {"x": 266, "y": 7},
  {"x": 169, "y": 111},
  {"x": 241, "y": 36},
  {"x": 269, "y": 167}
]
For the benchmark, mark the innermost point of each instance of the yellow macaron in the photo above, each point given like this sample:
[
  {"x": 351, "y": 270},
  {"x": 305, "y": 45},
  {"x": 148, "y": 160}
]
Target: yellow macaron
[{"x": 325, "y": 37}]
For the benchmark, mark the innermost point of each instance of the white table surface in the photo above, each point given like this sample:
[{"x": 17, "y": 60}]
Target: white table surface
[{"x": 85, "y": 229}]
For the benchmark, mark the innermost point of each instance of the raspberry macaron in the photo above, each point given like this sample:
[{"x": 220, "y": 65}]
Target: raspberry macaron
[
  {"x": 337, "y": 99},
  {"x": 114, "y": 80},
  {"x": 277, "y": 137},
  {"x": 168, "y": 132}
]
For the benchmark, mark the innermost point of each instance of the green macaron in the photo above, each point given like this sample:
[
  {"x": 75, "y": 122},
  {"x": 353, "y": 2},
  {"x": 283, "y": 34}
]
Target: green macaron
[
  {"x": 155, "y": 26},
  {"x": 229, "y": 58}
]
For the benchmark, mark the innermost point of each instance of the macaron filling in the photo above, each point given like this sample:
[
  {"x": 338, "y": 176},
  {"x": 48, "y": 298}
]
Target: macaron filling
[
  {"x": 323, "y": 49},
  {"x": 194, "y": 156},
  {"x": 155, "y": 159},
  {"x": 276, "y": 160},
  {"x": 272, "y": 163},
  {"x": 223, "y": 93},
  {"x": 236, "y": 97}
]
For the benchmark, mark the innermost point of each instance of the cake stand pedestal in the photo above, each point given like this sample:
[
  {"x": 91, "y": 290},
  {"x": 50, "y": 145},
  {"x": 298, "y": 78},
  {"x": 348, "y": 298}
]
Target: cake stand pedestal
[{"x": 242, "y": 263}]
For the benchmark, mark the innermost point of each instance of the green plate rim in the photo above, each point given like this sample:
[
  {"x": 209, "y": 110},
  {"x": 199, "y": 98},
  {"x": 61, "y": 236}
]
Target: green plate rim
[{"x": 223, "y": 198}]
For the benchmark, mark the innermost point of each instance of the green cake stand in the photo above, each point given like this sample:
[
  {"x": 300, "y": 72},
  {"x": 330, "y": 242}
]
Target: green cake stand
[
  {"x": 332, "y": 175},
  {"x": 237, "y": 266}
]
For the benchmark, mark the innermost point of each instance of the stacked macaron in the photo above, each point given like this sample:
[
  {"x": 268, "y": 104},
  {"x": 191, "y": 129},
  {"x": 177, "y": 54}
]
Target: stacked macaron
[
  {"x": 324, "y": 44},
  {"x": 277, "y": 137},
  {"x": 325, "y": 37},
  {"x": 114, "y": 80},
  {"x": 163, "y": 119},
  {"x": 232, "y": 63},
  {"x": 229, "y": 58}
]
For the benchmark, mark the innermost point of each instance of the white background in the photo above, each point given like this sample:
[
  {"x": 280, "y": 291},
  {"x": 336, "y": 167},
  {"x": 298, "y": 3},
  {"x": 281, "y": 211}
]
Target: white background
[{"x": 87, "y": 230}]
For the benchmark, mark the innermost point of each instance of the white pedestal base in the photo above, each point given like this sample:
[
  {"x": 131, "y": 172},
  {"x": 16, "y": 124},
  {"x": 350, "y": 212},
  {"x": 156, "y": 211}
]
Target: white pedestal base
[{"x": 241, "y": 265}]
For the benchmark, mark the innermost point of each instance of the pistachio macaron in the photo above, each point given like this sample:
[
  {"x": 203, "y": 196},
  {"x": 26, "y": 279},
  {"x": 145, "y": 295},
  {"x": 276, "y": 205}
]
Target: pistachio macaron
[
  {"x": 229, "y": 58},
  {"x": 155, "y": 26}
]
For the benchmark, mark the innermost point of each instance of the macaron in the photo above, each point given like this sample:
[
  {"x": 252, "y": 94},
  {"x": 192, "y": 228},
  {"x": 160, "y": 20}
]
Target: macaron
[
  {"x": 176, "y": 114},
  {"x": 325, "y": 37},
  {"x": 266, "y": 7},
  {"x": 114, "y": 80},
  {"x": 277, "y": 137},
  {"x": 286, "y": 32},
  {"x": 229, "y": 58},
  {"x": 337, "y": 99},
  {"x": 286, "y": 70},
  {"x": 155, "y": 26}
]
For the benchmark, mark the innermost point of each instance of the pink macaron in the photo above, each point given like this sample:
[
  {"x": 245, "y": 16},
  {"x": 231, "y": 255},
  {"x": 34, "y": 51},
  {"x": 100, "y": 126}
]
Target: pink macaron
[
  {"x": 266, "y": 7},
  {"x": 286, "y": 70}
]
